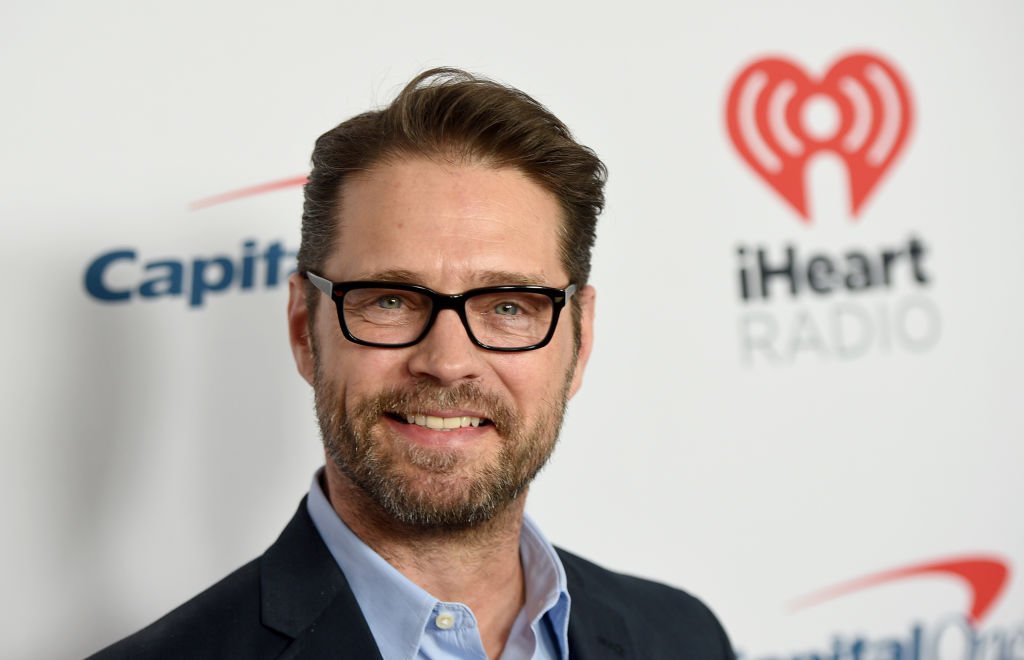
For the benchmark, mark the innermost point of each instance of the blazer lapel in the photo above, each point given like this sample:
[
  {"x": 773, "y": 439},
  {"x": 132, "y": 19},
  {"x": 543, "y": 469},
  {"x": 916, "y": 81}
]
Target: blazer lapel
[
  {"x": 306, "y": 596},
  {"x": 339, "y": 632},
  {"x": 597, "y": 631}
]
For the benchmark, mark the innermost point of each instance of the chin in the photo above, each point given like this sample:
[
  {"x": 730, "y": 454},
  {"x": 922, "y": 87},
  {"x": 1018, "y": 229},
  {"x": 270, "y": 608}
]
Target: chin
[{"x": 449, "y": 499}]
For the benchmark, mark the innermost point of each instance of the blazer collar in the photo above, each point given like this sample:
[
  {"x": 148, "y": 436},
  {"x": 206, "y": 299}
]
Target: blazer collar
[
  {"x": 306, "y": 597},
  {"x": 597, "y": 630}
]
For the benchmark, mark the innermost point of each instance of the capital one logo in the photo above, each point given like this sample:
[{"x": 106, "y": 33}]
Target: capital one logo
[
  {"x": 779, "y": 117},
  {"x": 959, "y": 635},
  {"x": 984, "y": 578}
]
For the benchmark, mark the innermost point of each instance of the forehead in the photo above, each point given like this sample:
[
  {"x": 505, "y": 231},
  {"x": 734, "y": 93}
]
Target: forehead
[{"x": 448, "y": 224}]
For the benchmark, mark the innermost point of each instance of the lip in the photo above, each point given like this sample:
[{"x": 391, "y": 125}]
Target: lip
[{"x": 450, "y": 439}]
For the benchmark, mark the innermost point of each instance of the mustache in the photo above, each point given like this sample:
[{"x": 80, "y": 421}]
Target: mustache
[{"x": 425, "y": 395}]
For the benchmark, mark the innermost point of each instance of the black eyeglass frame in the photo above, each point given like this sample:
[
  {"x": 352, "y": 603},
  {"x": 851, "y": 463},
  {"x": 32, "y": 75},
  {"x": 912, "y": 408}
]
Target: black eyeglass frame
[{"x": 441, "y": 301}]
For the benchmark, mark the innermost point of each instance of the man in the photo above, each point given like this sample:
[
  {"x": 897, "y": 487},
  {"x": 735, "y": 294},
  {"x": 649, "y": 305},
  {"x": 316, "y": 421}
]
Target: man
[{"x": 442, "y": 239}]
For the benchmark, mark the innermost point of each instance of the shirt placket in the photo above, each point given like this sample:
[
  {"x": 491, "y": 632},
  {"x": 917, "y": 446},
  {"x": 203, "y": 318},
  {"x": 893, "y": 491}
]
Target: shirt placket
[{"x": 453, "y": 631}]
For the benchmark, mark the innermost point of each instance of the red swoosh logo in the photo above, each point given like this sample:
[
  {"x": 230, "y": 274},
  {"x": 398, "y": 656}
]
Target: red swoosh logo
[
  {"x": 258, "y": 189},
  {"x": 984, "y": 577}
]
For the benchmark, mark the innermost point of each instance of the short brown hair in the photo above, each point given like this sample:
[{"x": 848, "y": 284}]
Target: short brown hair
[{"x": 451, "y": 114}]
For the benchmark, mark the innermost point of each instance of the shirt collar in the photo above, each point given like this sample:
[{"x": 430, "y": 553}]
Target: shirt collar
[{"x": 397, "y": 610}]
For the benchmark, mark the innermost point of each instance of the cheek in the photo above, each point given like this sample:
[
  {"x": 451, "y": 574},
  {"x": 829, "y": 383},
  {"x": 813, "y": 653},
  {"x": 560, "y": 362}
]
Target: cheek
[
  {"x": 356, "y": 371},
  {"x": 534, "y": 383}
]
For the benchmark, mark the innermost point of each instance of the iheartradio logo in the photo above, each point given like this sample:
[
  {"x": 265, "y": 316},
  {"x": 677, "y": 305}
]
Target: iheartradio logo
[{"x": 779, "y": 118}]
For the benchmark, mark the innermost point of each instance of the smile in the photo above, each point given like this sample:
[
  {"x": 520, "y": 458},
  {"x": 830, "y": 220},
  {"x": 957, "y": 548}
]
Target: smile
[{"x": 441, "y": 423}]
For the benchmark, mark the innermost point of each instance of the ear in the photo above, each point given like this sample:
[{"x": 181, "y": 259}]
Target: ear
[
  {"x": 587, "y": 298},
  {"x": 298, "y": 327}
]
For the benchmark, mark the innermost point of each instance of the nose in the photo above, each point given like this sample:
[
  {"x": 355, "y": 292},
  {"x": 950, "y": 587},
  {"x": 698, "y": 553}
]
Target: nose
[{"x": 446, "y": 355}]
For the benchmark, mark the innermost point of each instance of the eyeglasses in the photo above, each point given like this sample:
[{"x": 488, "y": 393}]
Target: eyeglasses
[{"x": 394, "y": 315}]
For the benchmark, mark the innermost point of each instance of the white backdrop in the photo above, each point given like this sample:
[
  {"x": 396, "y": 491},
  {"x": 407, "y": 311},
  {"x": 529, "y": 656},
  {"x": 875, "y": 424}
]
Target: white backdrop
[{"x": 152, "y": 445}]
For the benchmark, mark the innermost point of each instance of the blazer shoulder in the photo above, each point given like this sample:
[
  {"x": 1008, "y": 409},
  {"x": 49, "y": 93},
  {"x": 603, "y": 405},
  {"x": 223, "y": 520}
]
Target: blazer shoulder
[
  {"x": 221, "y": 622},
  {"x": 658, "y": 616}
]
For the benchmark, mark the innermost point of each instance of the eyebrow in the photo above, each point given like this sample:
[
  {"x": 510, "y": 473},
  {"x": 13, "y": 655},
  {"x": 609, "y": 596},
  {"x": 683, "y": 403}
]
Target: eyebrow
[{"x": 483, "y": 278}]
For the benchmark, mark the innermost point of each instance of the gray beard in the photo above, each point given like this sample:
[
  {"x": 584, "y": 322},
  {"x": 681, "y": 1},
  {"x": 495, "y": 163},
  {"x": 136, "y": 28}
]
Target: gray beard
[{"x": 428, "y": 488}]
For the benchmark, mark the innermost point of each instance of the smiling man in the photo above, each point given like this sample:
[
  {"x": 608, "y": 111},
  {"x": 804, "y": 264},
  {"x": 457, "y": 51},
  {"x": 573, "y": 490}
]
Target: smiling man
[{"x": 442, "y": 315}]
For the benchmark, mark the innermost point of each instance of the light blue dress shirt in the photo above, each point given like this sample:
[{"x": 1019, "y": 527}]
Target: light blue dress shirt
[{"x": 409, "y": 624}]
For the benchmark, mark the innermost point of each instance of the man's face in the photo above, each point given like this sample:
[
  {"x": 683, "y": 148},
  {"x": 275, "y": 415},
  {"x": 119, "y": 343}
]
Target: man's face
[{"x": 450, "y": 228}]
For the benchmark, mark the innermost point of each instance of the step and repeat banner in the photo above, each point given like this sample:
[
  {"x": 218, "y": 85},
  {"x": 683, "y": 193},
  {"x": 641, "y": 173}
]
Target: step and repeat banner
[{"x": 804, "y": 403}]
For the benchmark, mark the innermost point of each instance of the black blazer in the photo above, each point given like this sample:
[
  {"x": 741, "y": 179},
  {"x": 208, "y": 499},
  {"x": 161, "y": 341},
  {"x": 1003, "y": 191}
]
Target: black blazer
[{"x": 294, "y": 602}]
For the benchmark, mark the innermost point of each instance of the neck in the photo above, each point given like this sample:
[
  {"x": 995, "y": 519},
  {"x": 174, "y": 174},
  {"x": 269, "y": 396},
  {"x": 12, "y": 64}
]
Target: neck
[{"x": 477, "y": 565}]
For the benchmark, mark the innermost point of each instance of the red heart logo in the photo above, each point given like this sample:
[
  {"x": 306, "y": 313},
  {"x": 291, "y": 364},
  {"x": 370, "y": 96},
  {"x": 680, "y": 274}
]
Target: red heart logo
[{"x": 771, "y": 120}]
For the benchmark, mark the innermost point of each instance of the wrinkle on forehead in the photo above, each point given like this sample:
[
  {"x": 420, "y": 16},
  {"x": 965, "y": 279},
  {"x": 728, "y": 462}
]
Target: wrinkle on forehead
[{"x": 481, "y": 278}]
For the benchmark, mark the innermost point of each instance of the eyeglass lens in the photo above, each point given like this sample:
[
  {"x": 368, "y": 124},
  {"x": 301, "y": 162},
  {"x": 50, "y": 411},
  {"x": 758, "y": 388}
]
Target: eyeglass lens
[{"x": 500, "y": 319}]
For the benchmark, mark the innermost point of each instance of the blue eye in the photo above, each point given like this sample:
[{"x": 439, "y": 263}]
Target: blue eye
[
  {"x": 507, "y": 309},
  {"x": 389, "y": 302}
]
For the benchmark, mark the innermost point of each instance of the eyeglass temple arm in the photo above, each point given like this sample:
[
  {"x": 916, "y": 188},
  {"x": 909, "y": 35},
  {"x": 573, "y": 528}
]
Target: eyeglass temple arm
[{"x": 324, "y": 285}]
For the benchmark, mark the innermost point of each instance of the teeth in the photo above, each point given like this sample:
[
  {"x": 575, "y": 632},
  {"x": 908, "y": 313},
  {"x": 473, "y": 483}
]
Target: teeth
[{"x": 443, "y": 423}]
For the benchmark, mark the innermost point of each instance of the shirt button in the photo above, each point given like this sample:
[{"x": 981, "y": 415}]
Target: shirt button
[{"x": 444, "y": 620}]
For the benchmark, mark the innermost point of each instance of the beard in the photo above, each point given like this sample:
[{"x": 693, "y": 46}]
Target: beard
[{"x": 435, "y": 488}]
